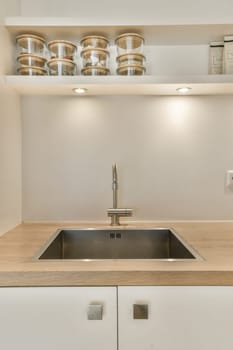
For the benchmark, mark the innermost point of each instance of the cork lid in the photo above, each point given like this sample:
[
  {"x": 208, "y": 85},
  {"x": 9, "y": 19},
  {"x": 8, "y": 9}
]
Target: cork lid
[
  {"x": 23, "y": 58},
  {"x": 25, "y": 37},
  {"x": 139, "y": 69},
  {"x": 100, "y": 52},
  {"x": 27, "y": 70},
  {"x": 121, "y": 40},
  {"x": 98, "y": 70},
  {"x": 53, "y": 62},
  {"x": 95, "y": 37},
  {"x": 66, "y": 43},
  {"x": 131, "y": 56}
]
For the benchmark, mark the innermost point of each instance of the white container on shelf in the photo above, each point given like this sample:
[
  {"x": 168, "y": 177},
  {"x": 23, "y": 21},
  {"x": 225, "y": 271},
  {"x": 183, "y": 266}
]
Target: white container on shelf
[
  {"x": 216, "y": 50},
  {"x": 228, "y": 54}
]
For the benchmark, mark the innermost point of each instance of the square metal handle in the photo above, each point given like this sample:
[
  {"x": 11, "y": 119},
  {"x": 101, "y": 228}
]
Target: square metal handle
[
  {"x": 140, "y": 312},
  {"x": 95, "y": 312}
]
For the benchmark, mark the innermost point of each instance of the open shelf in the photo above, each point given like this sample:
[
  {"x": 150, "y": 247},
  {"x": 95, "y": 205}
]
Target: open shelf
[
  {"x": 121, "y": 85},
  {"x": 195, "y": 36}
]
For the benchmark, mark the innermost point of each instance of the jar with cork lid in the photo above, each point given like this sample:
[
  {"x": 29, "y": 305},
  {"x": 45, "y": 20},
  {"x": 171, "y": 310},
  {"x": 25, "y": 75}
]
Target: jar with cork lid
[{"x": 130, "y": 59}]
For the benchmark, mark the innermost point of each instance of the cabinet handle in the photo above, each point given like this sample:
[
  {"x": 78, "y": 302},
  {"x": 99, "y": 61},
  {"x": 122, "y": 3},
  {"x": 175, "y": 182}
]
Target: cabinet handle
[
  {"x": 95, "y": 312},
  {"x": 140, "y": 312}
]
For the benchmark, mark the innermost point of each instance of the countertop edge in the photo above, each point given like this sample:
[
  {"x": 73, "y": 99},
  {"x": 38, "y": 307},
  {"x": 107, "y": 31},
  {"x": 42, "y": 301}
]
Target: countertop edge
[{"x": 122, "y": 278}]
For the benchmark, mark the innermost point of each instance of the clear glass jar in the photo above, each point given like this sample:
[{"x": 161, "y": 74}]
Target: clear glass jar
[
  {"x": 95, "y": 57},
  {"x": 129, "y": 43},
  {"x": 26, "y": 59},
  {"x": 29, "y": 70},
  {"x": 94, "y": 42},
  {"x": 62, "y": 49},
  {"x": 132, "y": 69},
  {"x": 95, "y": 71},
  {"x": 131, "y": 58},
  {"x": 31, "y": 44},
  {"x": 62, "y": 67}
]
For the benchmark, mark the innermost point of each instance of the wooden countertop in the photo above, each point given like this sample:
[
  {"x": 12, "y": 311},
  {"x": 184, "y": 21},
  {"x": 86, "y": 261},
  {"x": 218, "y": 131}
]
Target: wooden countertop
[{"x": 212, "y": 240}]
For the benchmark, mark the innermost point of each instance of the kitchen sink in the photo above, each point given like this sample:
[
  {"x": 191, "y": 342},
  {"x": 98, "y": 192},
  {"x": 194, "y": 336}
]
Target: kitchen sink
[{"x": 119, "y": 243}]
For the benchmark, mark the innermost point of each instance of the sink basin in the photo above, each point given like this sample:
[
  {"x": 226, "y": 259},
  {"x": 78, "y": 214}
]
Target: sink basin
[{"x": 101, "y": 244}]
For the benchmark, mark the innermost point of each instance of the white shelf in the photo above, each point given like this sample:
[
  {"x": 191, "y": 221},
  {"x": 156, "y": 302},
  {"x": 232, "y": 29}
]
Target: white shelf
[
  {"x": 121, "y": 85},
  {"x": 173, "y": 34},
  {"x": 155, "y": 33}
]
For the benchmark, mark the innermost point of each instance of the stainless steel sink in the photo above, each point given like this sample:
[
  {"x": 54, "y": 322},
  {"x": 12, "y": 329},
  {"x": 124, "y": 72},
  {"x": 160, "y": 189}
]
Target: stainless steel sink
[{"x": 101, "y": 244}]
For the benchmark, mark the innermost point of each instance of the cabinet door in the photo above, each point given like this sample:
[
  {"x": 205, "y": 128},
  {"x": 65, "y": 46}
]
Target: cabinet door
[
  {"x": 55, "y": 318},
  {"x": 179, "y": 318}
]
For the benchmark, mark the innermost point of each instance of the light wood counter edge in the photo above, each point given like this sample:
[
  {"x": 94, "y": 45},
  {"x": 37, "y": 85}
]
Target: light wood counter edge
[{"x": 127, "y": 278}]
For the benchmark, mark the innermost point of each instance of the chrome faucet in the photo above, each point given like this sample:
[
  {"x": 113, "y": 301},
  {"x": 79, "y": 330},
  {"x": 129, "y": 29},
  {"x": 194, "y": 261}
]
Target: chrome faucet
[
  {"x": 114, "y": 185},
  {"x": 115, "y": 212}
]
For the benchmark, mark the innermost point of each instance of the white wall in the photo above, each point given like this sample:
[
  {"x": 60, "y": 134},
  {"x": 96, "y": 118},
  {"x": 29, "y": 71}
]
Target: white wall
[
  {"x": 10, "y": 136},
  {"x": 10, "y": 8},
  {"x": 128, "y": 11},
  {"x": 172, "y": 154}
]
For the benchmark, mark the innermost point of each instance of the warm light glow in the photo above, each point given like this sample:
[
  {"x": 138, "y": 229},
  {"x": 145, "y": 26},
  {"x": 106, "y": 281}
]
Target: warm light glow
[
  {"x": 179, "y": 109},
  {"x": 183, "y": 90},
  {"x": 80, "y": 91}
]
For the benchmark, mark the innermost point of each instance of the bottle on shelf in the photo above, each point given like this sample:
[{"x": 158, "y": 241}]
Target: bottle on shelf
[
  {"x": 228, "y": 54},
  {"x": 216, "y": 51}
]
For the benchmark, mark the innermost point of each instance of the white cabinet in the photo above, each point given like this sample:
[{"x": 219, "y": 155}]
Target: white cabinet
[
  {"x": 56, "y": 318},
  {"x": 180, "y": 318}
]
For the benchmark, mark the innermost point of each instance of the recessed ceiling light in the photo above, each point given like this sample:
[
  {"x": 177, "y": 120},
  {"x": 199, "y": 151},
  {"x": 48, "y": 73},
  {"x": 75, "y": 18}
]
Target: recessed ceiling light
[
  {"x": 79, "y": 91},
  {"x": 183, "y": 90}
]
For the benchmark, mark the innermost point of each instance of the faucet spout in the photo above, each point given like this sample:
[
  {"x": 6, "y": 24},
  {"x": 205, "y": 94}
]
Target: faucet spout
[
  {"x": 116, "y": 212},
  {"x": 114, "y": 185}
]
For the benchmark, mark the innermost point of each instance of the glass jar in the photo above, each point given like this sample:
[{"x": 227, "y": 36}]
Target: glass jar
[
  {"x": 62, "y": 49},
  {"x": 26, "y": 59},
  {"x": 129, "y": 43},
  {"x": 95, "y": 57},
  {"x": 31, "y": 44},
  {"x": 95, "y": 71},
  {"x": 131, "y": 58},
  {"x": 62, "y": 67},
  {"x": 94, "y": 42},
  {"x": 30, "y": 70},
  {"x": 132, "y": 69}
]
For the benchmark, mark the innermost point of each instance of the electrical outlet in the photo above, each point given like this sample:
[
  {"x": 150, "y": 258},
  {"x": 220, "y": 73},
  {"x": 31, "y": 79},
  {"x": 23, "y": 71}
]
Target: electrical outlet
[{"x": 229, "y": 179}]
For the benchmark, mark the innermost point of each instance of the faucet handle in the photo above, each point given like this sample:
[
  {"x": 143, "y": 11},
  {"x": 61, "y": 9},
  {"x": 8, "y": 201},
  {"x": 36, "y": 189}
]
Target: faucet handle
[
  {"x": 115, "y": 214},
  {"x": 120, "y": 212}
]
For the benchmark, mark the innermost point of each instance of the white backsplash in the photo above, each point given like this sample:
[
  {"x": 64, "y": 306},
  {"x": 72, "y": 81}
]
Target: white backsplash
[{"x": 172, "y": 154}]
